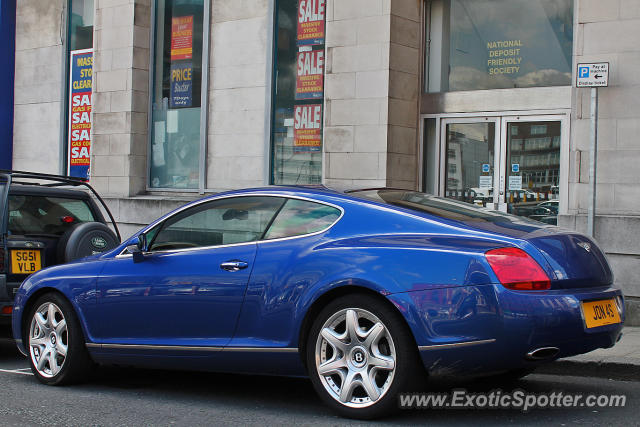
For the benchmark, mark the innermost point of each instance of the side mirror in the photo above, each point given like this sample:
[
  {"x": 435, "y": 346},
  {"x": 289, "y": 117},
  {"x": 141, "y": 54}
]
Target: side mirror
[{"x": 137, "y": 247}]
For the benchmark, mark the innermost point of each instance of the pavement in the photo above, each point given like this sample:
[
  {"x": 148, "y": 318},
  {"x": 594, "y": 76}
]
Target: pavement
[{"x": 621, "y": 361}]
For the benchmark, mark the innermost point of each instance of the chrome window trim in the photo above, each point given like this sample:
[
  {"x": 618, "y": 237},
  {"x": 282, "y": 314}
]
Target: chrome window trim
[
  {"x": 253, "y": 194},
  {"x": 193, "y": 348}
]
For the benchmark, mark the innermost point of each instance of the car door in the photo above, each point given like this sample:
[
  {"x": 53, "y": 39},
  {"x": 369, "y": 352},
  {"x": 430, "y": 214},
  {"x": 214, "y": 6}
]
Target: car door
[{"x": 189, "y": 286}]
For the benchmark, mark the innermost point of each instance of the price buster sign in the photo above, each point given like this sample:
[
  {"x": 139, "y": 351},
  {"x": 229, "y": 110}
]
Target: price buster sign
[{"x": 79, "y": 139}]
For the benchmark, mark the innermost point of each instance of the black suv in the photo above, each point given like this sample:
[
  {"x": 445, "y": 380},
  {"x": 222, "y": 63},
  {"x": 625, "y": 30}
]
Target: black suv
[{"x": 42, "y": 224}]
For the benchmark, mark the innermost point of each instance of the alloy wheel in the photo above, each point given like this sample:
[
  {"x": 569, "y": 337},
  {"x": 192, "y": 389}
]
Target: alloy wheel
[
  {"x": 48, "y": 340},
  {"x": 355, "y": 357}
]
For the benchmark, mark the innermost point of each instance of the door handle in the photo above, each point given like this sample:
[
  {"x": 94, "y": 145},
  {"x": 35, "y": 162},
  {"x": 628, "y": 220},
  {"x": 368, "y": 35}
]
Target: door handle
[{"x": 234, "y": 265}]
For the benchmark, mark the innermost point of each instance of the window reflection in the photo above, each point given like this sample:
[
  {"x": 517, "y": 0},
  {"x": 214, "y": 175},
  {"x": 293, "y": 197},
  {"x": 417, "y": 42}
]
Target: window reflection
[
  {"x": 175, "y": 144},
  {"x": 491, "y": 44}
]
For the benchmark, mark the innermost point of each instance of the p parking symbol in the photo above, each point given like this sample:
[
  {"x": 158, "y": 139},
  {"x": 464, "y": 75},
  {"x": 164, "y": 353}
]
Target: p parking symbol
[{"x": 583, "y": 72}]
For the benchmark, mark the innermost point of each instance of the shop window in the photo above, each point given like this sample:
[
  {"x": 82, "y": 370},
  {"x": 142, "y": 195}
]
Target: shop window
[
  {"x": 79, "y": 92},
  {"x": 496, "y": 44},
  {"x": 177, "y": 66},
  {"x": 298, "y": 94}
]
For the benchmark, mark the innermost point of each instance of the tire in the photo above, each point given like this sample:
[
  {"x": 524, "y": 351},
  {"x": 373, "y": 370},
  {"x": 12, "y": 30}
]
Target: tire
[
  {"x": 377, "y": 359},
  {"x": 55, "y": 342},
  {"x": 85, "y": 239}
]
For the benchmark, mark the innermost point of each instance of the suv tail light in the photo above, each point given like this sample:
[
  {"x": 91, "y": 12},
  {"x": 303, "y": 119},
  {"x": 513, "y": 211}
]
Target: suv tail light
[{"x": 517, "y": 270}]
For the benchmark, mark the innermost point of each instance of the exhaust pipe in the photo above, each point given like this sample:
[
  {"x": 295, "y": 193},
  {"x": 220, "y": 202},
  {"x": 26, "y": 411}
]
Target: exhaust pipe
[{"x": 543, "y": 353}]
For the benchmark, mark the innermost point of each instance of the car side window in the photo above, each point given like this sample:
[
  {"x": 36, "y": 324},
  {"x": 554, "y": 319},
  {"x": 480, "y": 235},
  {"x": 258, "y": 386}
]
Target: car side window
[
  {"x": 219, "y": 222},
  {"x": 299, "y": 217}
]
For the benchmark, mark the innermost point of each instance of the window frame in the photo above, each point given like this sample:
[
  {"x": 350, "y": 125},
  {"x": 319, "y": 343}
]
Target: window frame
[
  {"x": 204, "y": 102},
  {"x": 160, "y": 222}
]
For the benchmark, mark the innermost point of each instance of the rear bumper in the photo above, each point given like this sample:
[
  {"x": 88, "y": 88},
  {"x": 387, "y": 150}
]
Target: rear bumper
[
  {"x": 7, "y": 292},
  {"x": 485, "y": 329}
]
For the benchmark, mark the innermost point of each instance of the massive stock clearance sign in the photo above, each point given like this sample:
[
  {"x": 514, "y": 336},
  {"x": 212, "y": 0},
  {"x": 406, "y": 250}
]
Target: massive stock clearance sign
[
  {"x": 311, "y": 15},
  {"x": 79, "y": 139}
]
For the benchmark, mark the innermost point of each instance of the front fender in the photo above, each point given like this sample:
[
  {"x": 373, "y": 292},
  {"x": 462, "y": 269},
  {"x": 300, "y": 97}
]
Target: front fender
[{"x": 76, "y": 282}]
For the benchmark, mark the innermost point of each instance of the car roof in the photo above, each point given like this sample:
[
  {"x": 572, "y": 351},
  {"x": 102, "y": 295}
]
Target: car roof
[{"x": 39, "y": 190}]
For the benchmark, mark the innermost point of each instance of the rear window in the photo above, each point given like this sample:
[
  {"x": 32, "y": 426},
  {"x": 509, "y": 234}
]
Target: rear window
[
  {"x": 432, "y": 205},
  {"x": 30, "y": 214}
]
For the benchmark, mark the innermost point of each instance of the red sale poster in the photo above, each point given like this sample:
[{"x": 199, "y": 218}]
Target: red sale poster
[
  {"x": 311, "y": 14},
  {"x": 310, "y": 74},
  {"x": 81, "y": 81},
  {"x": 181, "y": 38},
  {"x": 307, "y": 128}
]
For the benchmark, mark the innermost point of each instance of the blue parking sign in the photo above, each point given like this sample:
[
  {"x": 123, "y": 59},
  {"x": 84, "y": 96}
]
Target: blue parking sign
[{"x": 583, "y": 72}]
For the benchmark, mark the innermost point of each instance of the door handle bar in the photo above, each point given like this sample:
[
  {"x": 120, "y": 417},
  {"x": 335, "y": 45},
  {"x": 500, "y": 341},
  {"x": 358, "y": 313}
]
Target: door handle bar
[{"x": 234, "y": 265}]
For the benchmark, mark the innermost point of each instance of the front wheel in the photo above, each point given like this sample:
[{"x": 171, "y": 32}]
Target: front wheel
[
  {"x": 55, "y": 343},
  {"x": 360, "y": 355}
]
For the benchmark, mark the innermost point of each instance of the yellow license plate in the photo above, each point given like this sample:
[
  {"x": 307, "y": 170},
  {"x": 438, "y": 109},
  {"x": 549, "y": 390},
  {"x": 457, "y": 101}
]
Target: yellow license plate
[
  {"x": 600, "y": 313},
  {"x": 25, "y": 261}
]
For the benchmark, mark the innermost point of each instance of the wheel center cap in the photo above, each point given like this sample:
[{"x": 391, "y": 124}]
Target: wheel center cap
[
  {"x": 358, "y": 357},
  {"x": 53, "y": 339}
]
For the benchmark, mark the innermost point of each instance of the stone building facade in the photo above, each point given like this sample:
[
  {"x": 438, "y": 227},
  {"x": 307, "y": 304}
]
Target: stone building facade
[{"x": 407, "y": 88}]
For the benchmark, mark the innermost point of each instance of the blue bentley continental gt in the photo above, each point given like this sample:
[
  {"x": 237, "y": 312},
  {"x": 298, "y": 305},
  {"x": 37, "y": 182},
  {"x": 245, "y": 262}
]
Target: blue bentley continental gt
[{"x": 366, "y": 292}]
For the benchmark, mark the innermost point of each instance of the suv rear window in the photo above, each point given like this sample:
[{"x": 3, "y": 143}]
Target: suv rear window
[{"x": 29, "y": 214}]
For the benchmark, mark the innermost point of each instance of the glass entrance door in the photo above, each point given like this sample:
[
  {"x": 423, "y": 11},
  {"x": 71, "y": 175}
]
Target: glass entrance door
[
  {"x": 531, "y": 167},
  {"x": 469, "y": 159},
  {"x": 510, "y": 163}
]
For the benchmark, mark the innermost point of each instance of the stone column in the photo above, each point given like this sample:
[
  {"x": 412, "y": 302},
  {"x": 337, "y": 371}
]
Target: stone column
[
  {"x": 38, "y": 85},
  {"x": 120, "y": 96},
  {"x": 371, "y": 91}
]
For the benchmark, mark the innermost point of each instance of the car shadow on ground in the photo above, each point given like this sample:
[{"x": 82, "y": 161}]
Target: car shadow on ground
[{"x": 272, "y": 397}]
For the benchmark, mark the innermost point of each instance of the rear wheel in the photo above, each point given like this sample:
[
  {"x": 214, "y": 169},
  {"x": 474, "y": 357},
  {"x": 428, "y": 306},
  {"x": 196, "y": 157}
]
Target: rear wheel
[
  {"x": 360, "y": 355},
  {"x": 57, "y": 351}
]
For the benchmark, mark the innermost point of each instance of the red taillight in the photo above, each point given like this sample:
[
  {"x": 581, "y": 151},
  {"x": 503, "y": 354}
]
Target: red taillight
[
  {"x": 517, "y": 270},
  {"x": 7, "y": 309},
  {"x": 68, "y": 219}
]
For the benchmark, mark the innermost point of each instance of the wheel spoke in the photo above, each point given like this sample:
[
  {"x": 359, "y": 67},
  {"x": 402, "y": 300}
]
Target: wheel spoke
[
  {"x": 380, "y": 361},
  {"x": 352, "y": 326},
  {"x": 348, "y": 385},
  {"x": 61, "y": 327},
  {"x": 370, "y": 387},
  {"x": 42, "y": 322},
  {"x": 53, "y": 362},
  {"x": 44, "y": 355},
  {"x": 51, "y": 316},
  {"x": 333, "y": 366},
  {"x": 333, "y": 339},
  {"x": 37, "y": 342},
  {"x": 373, "y": 335},
  {"x": 62, "y": 349}
]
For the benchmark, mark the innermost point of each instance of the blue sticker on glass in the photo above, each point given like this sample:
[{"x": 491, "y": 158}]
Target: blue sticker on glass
[
  {"x": 486, "y": 167},
  {"x": 515, "y": 167}
]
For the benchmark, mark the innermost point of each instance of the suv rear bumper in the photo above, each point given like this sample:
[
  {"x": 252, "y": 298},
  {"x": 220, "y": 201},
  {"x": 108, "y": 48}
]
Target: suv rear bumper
[{"x": 7, "y": 293}]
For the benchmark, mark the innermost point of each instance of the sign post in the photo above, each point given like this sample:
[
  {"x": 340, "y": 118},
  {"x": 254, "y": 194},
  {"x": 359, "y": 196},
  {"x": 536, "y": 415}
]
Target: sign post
[{"x": 593, "y": 75}]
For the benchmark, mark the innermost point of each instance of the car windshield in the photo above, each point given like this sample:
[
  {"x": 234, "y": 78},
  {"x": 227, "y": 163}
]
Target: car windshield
[{"x": 31, "y": 214}]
